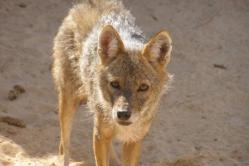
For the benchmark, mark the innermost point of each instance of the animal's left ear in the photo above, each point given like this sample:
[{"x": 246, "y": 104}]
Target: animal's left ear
[{"x": 158, "y": 49}]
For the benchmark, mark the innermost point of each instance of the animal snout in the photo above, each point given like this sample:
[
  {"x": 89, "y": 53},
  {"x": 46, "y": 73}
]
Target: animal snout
[{"x": 124, "y": 115}]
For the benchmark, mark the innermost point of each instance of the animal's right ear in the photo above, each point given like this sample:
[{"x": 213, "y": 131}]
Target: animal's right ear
[{"x": 109, "y": 44}]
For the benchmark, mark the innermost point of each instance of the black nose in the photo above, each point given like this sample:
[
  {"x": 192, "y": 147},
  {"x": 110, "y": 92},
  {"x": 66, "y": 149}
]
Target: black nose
[{"x": 124, "y": 115}]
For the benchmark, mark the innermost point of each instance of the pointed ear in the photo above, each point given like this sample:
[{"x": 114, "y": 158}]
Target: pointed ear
[
  {"x": 158, "y": 49},
  {"x": 109, "y": 44}
]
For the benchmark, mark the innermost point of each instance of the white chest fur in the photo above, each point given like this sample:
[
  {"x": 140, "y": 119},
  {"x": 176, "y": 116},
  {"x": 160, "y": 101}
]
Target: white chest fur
[{"x": 131, "y": 133}]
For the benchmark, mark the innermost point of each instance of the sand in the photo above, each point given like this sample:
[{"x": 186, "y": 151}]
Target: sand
[{"x": 202, "y": 121}]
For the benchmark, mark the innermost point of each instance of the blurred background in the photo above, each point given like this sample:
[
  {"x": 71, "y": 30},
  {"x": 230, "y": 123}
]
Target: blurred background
[{"x": 203, "y": 120}]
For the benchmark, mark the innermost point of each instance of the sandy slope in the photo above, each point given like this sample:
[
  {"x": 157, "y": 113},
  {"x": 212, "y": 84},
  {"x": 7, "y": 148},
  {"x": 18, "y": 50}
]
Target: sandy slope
[{"x": 204, "y": 119}]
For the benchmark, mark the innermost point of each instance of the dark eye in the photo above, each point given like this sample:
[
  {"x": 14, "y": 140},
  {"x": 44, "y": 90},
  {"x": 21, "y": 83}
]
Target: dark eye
[
  {"x": 115, "y": 84},
  {"x": 143, "y": 87}
]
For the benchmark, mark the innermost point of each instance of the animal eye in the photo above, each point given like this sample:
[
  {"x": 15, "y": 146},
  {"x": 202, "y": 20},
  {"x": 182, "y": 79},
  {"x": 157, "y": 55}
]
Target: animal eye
[
  {"x": 143, "y": 87},
  {"x": 115, "y": 84}
]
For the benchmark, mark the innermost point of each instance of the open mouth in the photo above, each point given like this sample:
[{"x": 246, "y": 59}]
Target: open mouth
[{"x": 124, "y": 123}]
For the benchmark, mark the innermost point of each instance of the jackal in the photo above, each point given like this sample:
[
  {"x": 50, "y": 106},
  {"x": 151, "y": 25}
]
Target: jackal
[{"x": 103, "y": 59}]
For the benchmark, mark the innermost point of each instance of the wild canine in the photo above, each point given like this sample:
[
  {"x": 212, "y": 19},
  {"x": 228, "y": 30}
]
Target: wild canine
[{"x": 102, "y": 58}]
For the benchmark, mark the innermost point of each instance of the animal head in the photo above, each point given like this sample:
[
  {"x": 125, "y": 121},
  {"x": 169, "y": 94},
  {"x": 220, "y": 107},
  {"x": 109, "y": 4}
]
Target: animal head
[{"x": 131, "y": 80}]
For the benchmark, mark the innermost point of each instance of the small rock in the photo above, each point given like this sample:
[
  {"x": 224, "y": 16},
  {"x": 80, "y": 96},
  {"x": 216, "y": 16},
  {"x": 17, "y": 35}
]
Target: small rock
[
  {"x": 22, "y": 5},
  {"x": 19, "y": 89},
  {"x": 220, "y": 66},
  {"x": 13, "y": 121},
  {"x": 154, "y": 17},
  {"x": 12, "y": 95}
]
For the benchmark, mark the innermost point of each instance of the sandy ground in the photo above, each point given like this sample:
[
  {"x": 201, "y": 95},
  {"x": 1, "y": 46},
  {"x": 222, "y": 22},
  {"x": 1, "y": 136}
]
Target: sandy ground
[{"x": 202, "y": 121}]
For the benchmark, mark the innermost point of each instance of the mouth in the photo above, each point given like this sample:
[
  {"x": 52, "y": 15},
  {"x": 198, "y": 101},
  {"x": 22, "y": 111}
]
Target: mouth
[{"x": 124, "y": 123}]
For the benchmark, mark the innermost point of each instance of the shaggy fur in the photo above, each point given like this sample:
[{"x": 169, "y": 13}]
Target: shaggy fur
[{"x": 103, "y": 59}]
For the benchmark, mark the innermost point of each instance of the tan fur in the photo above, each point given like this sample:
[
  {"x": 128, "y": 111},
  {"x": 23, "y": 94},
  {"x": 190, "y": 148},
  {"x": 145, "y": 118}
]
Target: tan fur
[{"x": 98, "y": 45}]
